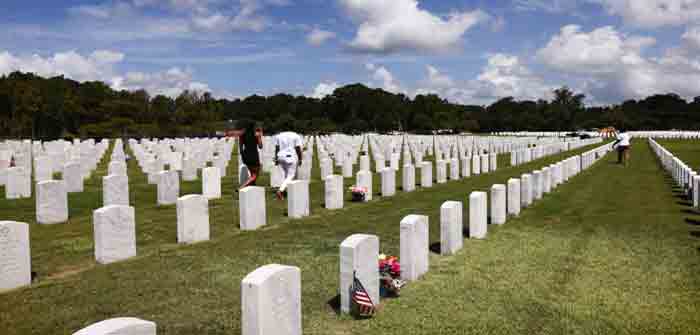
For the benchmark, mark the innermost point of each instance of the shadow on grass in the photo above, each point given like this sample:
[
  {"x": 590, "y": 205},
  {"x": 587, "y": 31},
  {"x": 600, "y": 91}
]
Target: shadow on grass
[
  {"x": 689, "y": 211},
  {"x": 684, "y": 203},
  {"x": 692, "y": 222},
  {"x": 435, "y": 247},
  {"x": 334, "y": 304},
  {"x": 695, "y": 234}
]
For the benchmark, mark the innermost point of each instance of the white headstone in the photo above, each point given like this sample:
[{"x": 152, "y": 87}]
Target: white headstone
[
  {"x": 252, "y": 208},
  {"x": 298, "y": 199},
  {"x": 115, "y": 233},
  {"x": 120, "y": 326},
  {"x": 189, "y": 169},
  {"x": 408, "y": 178},
  {"x": 466, "y": 167},
  {"x": 476, "y": 164},
  {"x": 364, "y": 179},
  {"x": 414, "y": 245},
  {"x": 388, "y": 182},
  {"x": 426, "y": 174},
  {"x": 326, "y": 168},
  {"x": 51, "y": 202},
  {"x": 15, "y": 258},
  {"x": 211, "y": 182},
  {"x": 192, "y": 218},
  {"x": 347, "y": 168},
  {"x": 454, "y": 169},
  {"x": 364, "y": 163},
  {"x": 441, "y": 171},
  {"x": 514, "y": 197},
  {"x": 538, "y": 184},
  {"x": 168, "y": 187},
  {"x": 359, "y": 255},
  {"x": 43, "y": 168},
  {"x": 485, "y": 164},
  {"x": 526, "y": 195},
  {"x": 271, "y": 301},
  {"x": 451, "y": 227},
  {"x": 478, "y": 216},
  {"x": 117, "y": 168},
  {"x": 498, "y": 204},
  {"x": 73, "y": 177},
  {"x": 18, "y": 184},
  {"x": 115, "y": 190},
  {"x": 334, "y": 192}
]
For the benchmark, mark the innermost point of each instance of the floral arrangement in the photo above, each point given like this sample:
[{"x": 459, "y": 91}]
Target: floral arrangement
[
  {"x": 389, "y": 275},
  {"x": 359, "y": 194}
]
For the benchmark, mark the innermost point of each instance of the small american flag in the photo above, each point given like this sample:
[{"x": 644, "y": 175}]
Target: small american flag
[{"x": 360, "y": 298}]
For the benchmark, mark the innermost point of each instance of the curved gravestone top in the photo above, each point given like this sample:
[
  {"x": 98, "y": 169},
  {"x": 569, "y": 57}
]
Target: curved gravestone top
[
  {"x": 271, "y": 299},
  {"x": 120, "y": 326},
  {"x": 354, "y": 240}
]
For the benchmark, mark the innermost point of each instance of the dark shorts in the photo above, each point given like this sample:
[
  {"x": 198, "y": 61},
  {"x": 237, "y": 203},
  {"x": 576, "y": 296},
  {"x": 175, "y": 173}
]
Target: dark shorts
[
  {"x": 623, "y": 148},
  {"x": 251, "y": 158}
]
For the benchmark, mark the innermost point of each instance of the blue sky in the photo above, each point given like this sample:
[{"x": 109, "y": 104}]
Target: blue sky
[{"x": 467, "y": 51}]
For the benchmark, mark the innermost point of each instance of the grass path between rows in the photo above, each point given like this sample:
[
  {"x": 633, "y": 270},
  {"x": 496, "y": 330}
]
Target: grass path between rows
[{"x": 610, "y": 252}]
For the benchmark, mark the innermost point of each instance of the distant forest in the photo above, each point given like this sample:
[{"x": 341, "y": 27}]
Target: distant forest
[{"x": 40, "y": 108}]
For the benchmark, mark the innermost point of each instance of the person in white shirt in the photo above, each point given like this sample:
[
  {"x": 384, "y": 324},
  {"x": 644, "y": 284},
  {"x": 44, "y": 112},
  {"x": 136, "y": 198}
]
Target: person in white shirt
[
  {"x": 288, "y": 146},
  {"x": 622, "y": 144}
]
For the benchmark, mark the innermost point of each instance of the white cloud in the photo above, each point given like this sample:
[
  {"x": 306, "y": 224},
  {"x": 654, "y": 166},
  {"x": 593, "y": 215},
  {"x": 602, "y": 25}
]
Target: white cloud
[
  {"x": 318, "y": 36},
  {"x": 613, "y": 66},
  {"x": 503, "y": 76},
  {"x": 692, "y": 37},
  {"x": 171, "y": 82},
  {"x": 324, "y": 89},
  {"x": 554, "y": 6},
  {"x": 99, "y": 65},
  {"x": 396, "y": 25},
  {"x": 653, "y": 13},
  {"x": 602, "y": 50},
  {"x": 386, "y": 78}
]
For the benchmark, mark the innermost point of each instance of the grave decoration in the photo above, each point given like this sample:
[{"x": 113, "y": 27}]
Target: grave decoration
[
  {"x": 390, "y": 276},
  {"x": 359, "y": 194}
]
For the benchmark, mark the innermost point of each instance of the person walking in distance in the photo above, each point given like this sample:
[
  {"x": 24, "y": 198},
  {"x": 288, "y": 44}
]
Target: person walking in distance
[
  {"x": 622, "y": 145},
  {"x": 250, "y": 140},
  {"x": 288, "y": 146}
]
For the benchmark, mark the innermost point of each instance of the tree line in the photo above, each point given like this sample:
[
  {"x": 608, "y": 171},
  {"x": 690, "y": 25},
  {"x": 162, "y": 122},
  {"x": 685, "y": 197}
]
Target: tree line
[{"x": 51, "y": 108}]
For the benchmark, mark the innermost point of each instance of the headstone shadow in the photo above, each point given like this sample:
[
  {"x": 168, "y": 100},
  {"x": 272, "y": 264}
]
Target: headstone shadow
[
  {"x": 334, "y": 304},
  {"x": 435, "y": 247},
  {"x": 692, "y": 222},
  {"x": 695, "y": 234}
]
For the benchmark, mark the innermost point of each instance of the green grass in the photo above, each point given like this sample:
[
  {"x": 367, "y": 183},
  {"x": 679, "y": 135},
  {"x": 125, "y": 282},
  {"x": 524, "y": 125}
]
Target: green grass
[
  {"x": 610, "y": 252},
  {"x": 686, "y": 150}
]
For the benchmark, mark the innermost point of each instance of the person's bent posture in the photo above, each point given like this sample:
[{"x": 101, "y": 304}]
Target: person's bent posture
[{"x": 622, "y": 145}]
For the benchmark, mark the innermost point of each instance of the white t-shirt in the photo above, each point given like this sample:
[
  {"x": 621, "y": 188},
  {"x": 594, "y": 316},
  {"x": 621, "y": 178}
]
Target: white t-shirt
[
  {"x": 624, "y": 139},
  {"x": 287, "y": 141}
]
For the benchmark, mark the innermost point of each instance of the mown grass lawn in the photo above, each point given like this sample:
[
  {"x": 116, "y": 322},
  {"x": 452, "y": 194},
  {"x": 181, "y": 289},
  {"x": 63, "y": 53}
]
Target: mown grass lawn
[{"x": 610, "y": 252}]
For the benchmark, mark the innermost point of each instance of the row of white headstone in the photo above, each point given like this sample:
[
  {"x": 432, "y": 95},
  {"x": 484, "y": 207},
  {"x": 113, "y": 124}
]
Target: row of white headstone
[
  {"x": 683, "y": 175},
  {"x": 75, "y": 162},
  {"x": 271, "y": 295}
]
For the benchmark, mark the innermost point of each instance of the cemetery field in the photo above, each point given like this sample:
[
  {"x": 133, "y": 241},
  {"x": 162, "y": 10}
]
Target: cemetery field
[
  {"x": 612, "y": 251},
  {"x": 687, "y": 150}
]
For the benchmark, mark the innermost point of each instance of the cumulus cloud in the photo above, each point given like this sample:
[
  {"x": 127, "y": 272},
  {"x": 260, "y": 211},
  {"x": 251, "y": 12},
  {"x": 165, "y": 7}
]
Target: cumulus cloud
[
  {"x": 613, "y": 65},
  {"x": 555, "y": 6},
  {"x": 100, "y": 65},
  {"x": 171, "y": 82},
  {"x": 324, "y": 89},
  {"x": 395, "y": 25},
  {"x": 653, "y": 13},
  {"x": 691, "y": 37},
  {"x": 599, "y": 51},
  {"x": 318, "y": 36},
  {"x": 502, "y": 76},
  {"x": 385, "y": 78}
]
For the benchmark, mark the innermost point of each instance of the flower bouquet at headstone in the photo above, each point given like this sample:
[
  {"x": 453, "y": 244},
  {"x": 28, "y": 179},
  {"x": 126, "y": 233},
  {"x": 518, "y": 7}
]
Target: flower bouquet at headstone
[
  {"x": 359, "y": 194},
  {"x": 390, "y": 282}
]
